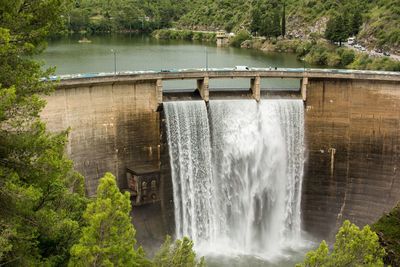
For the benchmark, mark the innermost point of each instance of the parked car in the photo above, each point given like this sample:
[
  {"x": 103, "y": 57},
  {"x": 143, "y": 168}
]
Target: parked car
[
  {"x": 386, "y": 54},
  {"x": 378, "y": 50}
]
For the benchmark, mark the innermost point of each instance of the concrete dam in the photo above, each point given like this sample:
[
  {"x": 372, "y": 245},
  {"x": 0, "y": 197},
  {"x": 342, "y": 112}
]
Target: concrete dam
[{"x": 207, "y": 163}]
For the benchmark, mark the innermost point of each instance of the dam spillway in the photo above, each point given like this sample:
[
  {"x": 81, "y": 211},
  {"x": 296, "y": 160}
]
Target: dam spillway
[
  {"x": 237, "y": 169},
  {"x": 352, "y": 132}
]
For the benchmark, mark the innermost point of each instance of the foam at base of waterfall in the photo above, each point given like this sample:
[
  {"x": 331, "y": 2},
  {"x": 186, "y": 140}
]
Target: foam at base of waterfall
[{"x": 251, "y": 183}]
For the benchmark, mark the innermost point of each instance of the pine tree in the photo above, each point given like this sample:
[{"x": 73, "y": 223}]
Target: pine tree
[
  {"x": 283, "y": 25},
  {"x": 109, "y": 237},
  {"x": 353, "y": 247},
  {"x": 41, "y": 197},
  {"x": 178, "y": 254}
]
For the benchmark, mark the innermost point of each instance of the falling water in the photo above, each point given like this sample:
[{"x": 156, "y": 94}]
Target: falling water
[{"x": 237, "y": 173}]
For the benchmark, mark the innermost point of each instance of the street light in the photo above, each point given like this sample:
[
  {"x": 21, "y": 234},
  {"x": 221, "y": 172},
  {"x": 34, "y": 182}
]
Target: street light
[
  {"x": 115, "y": 60},
  {"x": 206, "y": 59}
]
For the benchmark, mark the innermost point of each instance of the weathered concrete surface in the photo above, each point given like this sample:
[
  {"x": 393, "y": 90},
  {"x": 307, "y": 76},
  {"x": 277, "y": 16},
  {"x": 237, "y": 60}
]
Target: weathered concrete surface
[
  {"x": 353, "y": 144},
  {"x": 112, "y": 127}
]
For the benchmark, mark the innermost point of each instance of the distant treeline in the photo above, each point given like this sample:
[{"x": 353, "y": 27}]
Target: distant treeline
[{"x": 374, "y": 21}]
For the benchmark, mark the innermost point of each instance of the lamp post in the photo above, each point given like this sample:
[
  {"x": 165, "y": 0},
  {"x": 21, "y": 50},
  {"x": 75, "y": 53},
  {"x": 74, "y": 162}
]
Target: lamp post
[
  {"x": 115, "y": 61},
  {"x": 206, "y": 59}
]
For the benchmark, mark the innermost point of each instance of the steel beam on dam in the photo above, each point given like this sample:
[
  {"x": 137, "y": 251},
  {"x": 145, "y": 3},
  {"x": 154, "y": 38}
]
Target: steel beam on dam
[{"x": 352, "y": 134}]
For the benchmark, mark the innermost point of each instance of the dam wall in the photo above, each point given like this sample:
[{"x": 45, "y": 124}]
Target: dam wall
[
  {"x": 352, "y": 136},
  {"x": 353, "y": 146},
  {"x": 112, "y": 127}
]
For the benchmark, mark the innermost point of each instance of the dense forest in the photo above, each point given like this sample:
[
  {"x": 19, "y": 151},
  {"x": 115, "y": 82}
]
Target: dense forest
[{"x": 375, "y": 22}]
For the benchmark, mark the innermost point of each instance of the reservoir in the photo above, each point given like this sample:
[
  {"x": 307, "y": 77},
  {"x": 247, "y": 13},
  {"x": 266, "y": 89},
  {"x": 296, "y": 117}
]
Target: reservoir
[{"x": 138, "y": 52}]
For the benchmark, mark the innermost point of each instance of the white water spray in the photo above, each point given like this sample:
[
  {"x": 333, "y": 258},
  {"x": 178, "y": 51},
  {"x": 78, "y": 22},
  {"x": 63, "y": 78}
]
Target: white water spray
[{"x": 237, "y": 176}]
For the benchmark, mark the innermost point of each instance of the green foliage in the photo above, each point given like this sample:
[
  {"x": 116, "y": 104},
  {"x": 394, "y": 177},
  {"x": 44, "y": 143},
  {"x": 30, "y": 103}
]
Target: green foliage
[
  {"x": 382, "y": 22},
  {"x": 337, "y": 29},
  {"x": 388, "y": 229},
  {"x": 353, "y": 247},
  {"x": 347, "y": 56},
  {"x": 178, "y": 254},
  {"x": 41, "y": 197},
  {"x": 217, "y": 15},
  {"x": 363, "y": 62},
  {"x": 124, "y": 15},
  {"x": 267, "y": 17},
  {"x": 239, "y": 38},
  {"x": 108, "y": 239},
  {"x": 184, "y": 35}
]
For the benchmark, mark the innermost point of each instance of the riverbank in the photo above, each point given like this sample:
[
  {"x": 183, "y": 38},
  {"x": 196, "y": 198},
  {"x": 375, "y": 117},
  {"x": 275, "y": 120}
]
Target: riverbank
[
  {"x": 172, "y": 34},
  {"x": 316, "y": 52},
  {"x": 322, "y": 53}
]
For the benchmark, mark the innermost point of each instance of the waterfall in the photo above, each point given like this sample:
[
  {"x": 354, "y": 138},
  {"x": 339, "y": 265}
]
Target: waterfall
[{"x": 237, "y": 173}]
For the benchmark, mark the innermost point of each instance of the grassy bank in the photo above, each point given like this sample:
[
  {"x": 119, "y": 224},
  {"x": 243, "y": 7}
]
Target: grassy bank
[{"x": 184, "y": 35}]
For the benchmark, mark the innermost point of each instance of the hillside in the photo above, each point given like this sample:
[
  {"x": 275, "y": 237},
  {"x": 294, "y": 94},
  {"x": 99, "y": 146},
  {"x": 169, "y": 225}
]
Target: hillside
[{"x": 375, "y": 23}]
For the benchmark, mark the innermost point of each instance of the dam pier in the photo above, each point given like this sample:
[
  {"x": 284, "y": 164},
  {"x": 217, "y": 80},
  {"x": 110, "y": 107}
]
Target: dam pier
[{"x": 337, "y": 133}]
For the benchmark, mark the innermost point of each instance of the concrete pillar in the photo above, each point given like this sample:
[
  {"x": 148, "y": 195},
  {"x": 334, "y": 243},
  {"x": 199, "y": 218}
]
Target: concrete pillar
[
  {"x": 255, "y": 87},
  {"x": 304, "y": 83},
  {"x": 159, "y": 91},
  {"x": 203, "y": 88}
]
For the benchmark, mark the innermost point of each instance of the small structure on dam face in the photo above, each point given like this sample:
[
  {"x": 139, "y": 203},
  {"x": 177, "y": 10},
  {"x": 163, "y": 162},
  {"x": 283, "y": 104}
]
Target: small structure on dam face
[{"x": 143, "y": 186}]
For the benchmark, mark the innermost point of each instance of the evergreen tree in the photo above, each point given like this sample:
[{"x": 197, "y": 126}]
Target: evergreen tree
[
  {"x": 179, "y": 254},
  {"x": 337, "y": 29},
  {"x": 356, "y": 23},
  {"x": 353, "y": 247},
  {"x": 41, "y": 197},
  {"x": 109, "y": 237},
  {"x": 283, "y": 25}
]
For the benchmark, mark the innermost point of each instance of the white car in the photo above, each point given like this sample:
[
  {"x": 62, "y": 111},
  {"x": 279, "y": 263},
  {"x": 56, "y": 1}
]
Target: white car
[{"x": 241, "y": 68}]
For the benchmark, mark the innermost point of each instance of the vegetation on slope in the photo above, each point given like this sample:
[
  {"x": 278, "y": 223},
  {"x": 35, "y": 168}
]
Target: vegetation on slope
[
  {"x": 376, "y": 22},
  {"x": 388, "y": 229}
]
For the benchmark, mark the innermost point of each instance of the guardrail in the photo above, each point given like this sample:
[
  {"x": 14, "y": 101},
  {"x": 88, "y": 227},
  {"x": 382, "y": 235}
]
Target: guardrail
[{"x": 305, "y": 71}]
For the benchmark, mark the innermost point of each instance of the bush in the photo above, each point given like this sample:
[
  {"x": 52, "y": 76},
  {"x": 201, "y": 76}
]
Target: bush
[
  {"x": 388, "y": 228},
  {"x": 240, "y": 37}
]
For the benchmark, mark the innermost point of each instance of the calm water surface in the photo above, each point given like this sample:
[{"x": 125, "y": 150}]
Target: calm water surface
[{"x": 135, "y": 52}]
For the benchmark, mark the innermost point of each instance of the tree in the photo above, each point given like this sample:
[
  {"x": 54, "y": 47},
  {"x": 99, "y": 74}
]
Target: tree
[
  {"x": 179, "y": 254},
  {"x": 266, "y": 18},
  {"x": 283, "y": 25},
  {"x": 41, "y": 196},
  {"x": 337, "y": 29},
  {"x": 353, "y": 247},
  {"x": 356, "y": 22},
  {"x": 108, "y": 239}
]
